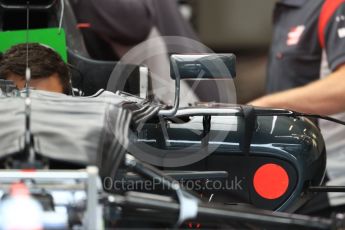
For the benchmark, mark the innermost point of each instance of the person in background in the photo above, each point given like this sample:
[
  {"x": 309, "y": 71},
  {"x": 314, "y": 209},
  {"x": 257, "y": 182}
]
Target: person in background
[
  {"x": 306, "y": 73},
  {"x": 115, "y": 27},
  {"x": 122, "y": 24}
]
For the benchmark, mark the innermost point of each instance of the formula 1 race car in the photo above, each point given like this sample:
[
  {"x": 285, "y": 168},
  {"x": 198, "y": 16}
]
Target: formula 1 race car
[{"x": 115, "y": 160}]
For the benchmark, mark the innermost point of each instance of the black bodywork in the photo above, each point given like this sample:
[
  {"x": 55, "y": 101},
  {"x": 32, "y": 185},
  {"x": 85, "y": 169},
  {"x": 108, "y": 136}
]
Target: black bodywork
[{"x": 294, "y": 143}]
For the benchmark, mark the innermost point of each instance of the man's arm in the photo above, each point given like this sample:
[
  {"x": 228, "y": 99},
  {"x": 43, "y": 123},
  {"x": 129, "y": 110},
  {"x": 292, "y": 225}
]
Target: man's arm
[{"x": 324, "y": 97}]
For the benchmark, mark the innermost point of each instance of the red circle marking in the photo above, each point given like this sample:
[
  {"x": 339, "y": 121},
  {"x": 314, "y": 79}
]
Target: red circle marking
[{"x": 271, "y": 181}]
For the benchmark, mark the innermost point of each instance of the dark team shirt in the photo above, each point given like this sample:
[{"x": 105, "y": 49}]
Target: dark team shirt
[
  {"x": 304, "y": 31},
  {"x": 129, "y": 22}
]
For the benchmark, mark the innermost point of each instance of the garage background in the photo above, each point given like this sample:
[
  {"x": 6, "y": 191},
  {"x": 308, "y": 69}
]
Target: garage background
[{"x": 242, "y": 27}]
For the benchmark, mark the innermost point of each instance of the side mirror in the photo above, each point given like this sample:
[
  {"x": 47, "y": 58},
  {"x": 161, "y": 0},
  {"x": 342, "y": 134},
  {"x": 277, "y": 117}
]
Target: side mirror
[
  {"x": 207, "y": 66},
  {"x": 198, "y": 67}
]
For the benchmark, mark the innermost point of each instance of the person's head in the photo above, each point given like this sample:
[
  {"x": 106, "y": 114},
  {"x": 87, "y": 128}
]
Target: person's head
[{"x": 48, "y": 71}]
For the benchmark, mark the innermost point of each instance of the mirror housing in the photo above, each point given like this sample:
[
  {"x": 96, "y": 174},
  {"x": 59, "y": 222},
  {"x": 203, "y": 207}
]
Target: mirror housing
[
  {"x": 203, "y": 66},
  {"x": 198, "y": 67}
]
